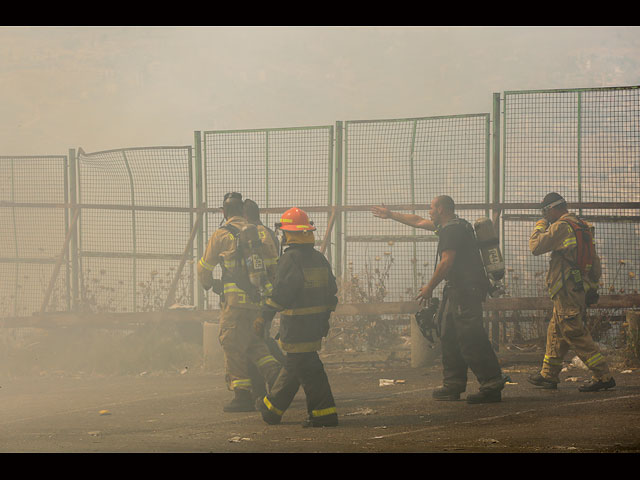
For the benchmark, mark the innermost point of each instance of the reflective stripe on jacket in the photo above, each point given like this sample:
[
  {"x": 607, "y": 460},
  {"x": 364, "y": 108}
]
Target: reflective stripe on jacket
[
  {"x": 560, "y": 240},
  {"x": 305, "y": 294},
  {"x": 221, "y": 250}
]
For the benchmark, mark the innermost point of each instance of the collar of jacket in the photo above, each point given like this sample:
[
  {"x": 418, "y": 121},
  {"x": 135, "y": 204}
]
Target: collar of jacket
[
  {"x": 237, "y": 220},
  {"x": 308, "y": 246},
  {"x": 570, "y": 215}
]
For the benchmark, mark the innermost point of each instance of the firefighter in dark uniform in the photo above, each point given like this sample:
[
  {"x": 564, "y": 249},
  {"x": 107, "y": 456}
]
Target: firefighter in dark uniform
[
  {"x": 464, "y": 341},
  {"x": 305, "y": 294},
  {"x": 239, "y": 309}
]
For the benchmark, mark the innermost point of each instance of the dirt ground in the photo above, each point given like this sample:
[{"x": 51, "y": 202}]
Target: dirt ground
[{"x": 182, "y": 412}]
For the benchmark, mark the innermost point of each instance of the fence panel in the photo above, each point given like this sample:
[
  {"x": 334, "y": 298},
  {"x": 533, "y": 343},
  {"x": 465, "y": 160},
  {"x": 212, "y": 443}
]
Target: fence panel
[
  {"x": 33, "y": 223},
  {"x": 136, "y": 219},
  {"x": 406, "y": 162},
  {"x": 277, "y": 168},
  {"x": 585, "y": 145},
  {"x": 137, "y": 205}
]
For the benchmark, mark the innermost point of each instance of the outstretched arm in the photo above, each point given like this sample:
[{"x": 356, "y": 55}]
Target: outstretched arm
[{"x": 410, "y": 219}]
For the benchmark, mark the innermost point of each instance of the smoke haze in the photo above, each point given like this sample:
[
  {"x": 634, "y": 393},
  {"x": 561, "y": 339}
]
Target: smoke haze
[{"x": 116, "y": 87}]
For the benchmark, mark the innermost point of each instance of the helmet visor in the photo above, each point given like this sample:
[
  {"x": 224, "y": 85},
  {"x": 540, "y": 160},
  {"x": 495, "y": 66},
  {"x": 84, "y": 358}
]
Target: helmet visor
[{"x": 545, "y": 209}]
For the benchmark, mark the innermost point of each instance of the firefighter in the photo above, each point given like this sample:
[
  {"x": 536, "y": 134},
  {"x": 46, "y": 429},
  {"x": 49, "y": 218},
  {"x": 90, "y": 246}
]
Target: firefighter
[
  {"x": 567, "y": 289},
  {"x": 464, "y": 341},
  {"x": 267, "y": 236},
  {"x": 304, "y": 292},
  {"x": 239, "y": 308},
  {"x": 271, "y": 250}
]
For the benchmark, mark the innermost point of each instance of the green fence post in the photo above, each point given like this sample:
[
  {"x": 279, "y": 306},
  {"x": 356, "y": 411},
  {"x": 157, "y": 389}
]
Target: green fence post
[
  {"x": 579, "y": 139},
  {"x": 328, "y": 251},
  {"x": 495, "y": 174},
  {"x": 15, "y": 237},
  {"x": 73, "y": 198},
  {"x": 197, "y": 140},
  {"x": 133, "y": 231},
  {"x": 495, "y": 165},
  {"x": 413, "y": 202},
  {"x": 339, "y": 213}
]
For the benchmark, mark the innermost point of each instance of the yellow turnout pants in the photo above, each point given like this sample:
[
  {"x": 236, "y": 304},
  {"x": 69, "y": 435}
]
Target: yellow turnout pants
[
  {"x": 567, "y": 331},
  {"x": 241, "y": 345}
]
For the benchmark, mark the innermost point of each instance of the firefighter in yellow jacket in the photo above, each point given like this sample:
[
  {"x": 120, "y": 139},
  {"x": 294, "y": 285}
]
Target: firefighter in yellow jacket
[
  {"x": 271, "y": 249},
  {"x": 239, "y": 308},
  {"x": 573, "y": 274},
  {"x": 267, "y": 236},
  {"x": 305, "y": 294}
]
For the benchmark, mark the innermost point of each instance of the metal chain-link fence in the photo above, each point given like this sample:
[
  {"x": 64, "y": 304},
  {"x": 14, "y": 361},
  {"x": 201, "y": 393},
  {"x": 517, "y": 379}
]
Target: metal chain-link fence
[
  {"x": 138, "y": 207},
  {"x": 136, "y": 219},
  {"x": 403, "y": 164},
  {"x": 277, "y": 168},
  {"x": 585, "y": 145},
  {"x": 406, "y": 162},
  {"x": 33, "y": 224}
]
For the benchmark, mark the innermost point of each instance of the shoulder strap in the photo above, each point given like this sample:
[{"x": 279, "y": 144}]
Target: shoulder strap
[
  {"x": 584, "y": 244},
  {"x": 234, "y": 230}
]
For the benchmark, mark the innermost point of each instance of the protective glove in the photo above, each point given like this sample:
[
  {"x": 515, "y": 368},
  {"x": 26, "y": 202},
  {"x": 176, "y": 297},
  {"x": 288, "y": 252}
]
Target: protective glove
[
  {"x": 262, "y": 324},
  {"x": 217, "y": 286},
  {"x": 542, "y": 225}
]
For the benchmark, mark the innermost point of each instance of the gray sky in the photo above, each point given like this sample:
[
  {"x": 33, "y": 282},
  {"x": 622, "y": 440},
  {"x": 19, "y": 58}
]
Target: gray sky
[{"x": 102, "y": 88}]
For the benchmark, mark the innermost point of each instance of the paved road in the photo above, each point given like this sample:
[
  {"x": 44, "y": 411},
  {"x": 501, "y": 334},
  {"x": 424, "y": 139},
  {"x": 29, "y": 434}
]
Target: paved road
[{"x": 182, "y": 413}]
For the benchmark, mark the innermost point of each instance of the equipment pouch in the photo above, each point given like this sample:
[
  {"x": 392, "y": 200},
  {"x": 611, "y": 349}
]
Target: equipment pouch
[{"x": 577, "y": 280}]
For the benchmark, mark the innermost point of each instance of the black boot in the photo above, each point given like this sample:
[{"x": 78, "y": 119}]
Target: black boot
[
  {"x": 242, "y": 402},
  {"x": 268, "y": 416},
  {"x": 539, "y": 381},
  {"x": 447, "y": 393},
  {"x": 485, "y": 396},
  {"x": 326, "y": 421},
  {"x": 596, "y": 386}
]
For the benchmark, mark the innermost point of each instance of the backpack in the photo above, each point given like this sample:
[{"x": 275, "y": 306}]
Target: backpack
[
  {"x": 586, "y": 252},
  {"x": 250, "y": 274}
]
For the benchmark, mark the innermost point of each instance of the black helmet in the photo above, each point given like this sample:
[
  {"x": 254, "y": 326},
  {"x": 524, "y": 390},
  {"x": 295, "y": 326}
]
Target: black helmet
[
  {"x": 232, "y": 204},
  {"x": 551, "y": 200}
]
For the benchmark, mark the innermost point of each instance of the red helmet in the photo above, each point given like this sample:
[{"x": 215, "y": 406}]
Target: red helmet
[{"x": 295, "y": 220}]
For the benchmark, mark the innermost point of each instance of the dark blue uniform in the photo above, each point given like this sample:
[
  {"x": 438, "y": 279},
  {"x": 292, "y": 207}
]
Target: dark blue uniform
[
  {"x": 305, "y": 294},
  {"x": 465, "y": 344}
]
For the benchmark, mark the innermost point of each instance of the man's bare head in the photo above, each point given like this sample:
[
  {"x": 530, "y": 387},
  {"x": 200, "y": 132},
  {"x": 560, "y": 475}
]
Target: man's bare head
[{"x": 442, "y": 208}]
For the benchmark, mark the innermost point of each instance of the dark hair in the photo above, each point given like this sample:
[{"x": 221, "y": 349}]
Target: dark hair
[
  {"x": 251, "y": 210},
  {"x": 446, "y": 202}
]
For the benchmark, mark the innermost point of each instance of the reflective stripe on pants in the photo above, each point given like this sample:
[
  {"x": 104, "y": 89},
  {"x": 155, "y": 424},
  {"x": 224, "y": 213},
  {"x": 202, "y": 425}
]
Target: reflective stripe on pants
[{"x": 306, "y": 370}]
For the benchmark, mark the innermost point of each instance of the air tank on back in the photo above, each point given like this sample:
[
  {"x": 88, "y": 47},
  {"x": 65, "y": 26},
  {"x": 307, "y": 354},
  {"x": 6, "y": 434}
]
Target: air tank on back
[
  {"x": 491, "y": 254},
  {"x": 251, "y": 248}
]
